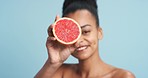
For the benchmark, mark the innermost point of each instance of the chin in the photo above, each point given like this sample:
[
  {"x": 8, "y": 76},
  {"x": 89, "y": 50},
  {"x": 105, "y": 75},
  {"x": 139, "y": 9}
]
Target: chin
[{"x": 83, "y": 55}]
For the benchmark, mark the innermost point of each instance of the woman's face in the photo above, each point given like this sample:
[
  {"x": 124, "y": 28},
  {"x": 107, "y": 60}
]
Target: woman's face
[{"x": 87, "y": 45}]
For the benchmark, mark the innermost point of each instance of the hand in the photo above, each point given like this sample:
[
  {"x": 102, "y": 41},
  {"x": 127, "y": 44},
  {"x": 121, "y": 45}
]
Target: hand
[{"x": 57, "y": 52}]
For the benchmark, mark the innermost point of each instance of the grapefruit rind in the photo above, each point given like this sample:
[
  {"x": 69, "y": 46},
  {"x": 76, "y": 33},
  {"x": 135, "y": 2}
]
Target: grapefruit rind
[{"x": 61, "y": 41}]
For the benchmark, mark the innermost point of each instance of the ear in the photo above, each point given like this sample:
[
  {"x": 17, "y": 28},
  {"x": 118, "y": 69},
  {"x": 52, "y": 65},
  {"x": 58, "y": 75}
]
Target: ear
[{"x": 100, "y": 33}]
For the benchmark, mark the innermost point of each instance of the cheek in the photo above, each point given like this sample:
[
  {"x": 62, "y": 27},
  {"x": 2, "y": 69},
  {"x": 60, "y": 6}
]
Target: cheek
[{"x": 93, "y": 41}]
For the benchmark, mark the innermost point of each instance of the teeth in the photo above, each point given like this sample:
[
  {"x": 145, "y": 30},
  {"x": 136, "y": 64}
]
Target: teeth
[{"x": 81, "y": 48}]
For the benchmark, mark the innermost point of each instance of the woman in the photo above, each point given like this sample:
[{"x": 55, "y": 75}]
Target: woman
[{"x": 85, "y": 49}]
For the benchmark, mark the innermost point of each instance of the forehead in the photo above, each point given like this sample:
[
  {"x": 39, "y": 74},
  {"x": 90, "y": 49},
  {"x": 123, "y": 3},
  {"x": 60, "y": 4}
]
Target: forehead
[{"x": 83, "y": 17}]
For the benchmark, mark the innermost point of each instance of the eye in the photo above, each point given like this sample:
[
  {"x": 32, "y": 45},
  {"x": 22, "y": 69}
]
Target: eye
[{"x": 85, "y": 32}]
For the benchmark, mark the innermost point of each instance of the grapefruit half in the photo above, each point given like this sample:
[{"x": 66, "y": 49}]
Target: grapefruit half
[{"x": 66, "y": 30}]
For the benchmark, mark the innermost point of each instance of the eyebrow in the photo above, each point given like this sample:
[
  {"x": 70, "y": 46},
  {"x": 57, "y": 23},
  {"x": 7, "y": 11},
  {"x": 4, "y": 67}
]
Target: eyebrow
[{"x": 85, "y": 25}]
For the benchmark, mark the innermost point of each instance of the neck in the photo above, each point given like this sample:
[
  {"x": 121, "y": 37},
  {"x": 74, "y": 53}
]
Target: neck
[{"x": 93, "y": 66}]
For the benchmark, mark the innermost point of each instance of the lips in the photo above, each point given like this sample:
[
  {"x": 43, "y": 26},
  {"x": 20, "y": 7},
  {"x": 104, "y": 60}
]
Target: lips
[{"x": 81, "y": 48}]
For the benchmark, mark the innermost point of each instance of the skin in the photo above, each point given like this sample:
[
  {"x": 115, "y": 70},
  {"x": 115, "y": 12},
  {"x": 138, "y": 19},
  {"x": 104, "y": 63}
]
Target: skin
[{"x": 85, "y": 50}]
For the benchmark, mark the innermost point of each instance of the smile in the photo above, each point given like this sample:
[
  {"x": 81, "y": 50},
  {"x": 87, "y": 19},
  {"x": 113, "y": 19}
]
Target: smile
[{"x": 81, "y": 48}]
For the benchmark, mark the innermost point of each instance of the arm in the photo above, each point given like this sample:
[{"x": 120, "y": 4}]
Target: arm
[
  {"x": 48, "y": 71},
  {"x": 57, "y": 54}
]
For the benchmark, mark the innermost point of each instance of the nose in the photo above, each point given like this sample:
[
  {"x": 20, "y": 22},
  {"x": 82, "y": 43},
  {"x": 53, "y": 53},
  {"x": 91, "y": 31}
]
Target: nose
[{"x": 79, "y": 42}]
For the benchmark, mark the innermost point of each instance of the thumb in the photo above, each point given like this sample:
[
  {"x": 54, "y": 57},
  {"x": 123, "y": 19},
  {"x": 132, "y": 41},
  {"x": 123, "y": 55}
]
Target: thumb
[{"x": 71, "y": 48}]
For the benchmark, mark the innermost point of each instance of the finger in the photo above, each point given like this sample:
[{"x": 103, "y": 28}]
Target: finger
[
  {"x": 50, "y": 41},
  {"x": 50, "y": 33},
  {"x": 57, "y": 17},
  {"x": 51, "y": 38},
  {"x": 71, "y": 48},
  {"x": 50, "y": 27}
]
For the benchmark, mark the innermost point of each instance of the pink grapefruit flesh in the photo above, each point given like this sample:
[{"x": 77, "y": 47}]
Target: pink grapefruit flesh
[{"x": 66, "y": 30}]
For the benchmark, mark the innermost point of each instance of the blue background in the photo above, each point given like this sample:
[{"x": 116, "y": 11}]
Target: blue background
[{"x": 23, "y": 33}]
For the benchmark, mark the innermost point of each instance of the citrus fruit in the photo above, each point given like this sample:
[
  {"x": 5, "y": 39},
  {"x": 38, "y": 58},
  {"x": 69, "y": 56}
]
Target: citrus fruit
[{"x": 66, "y": 30}]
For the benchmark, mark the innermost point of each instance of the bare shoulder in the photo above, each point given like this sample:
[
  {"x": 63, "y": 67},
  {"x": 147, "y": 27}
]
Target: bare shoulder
[
  {"x": 121, "y": 73},
  {"x": 68, "y": 67},
  {"x": 69, "y": 70},
  {"x": 64, "y": 69}
]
